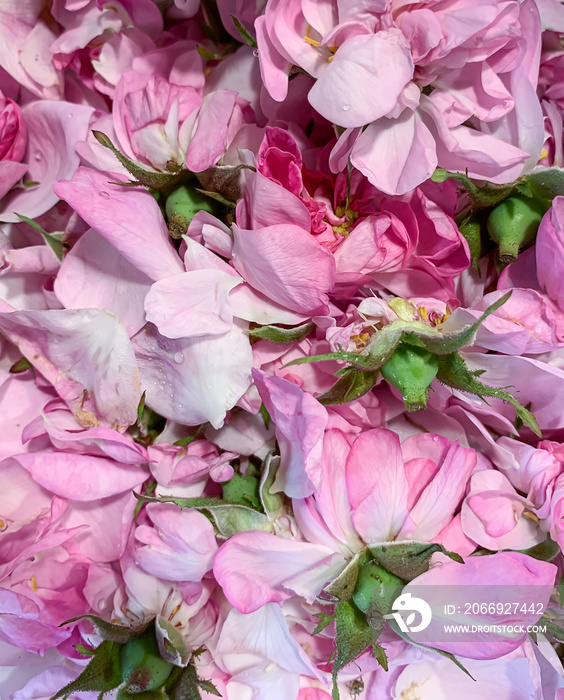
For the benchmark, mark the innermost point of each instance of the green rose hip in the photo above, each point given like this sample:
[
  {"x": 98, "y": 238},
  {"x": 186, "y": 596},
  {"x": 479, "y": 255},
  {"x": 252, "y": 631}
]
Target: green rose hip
[
  {"x": 142, "y": 667},
  {"x": 411, "y": 370},
  {"x": 376, "y": 589},
  {"x": 182, "y": 205},
  {"x": 513, "y": 224}
]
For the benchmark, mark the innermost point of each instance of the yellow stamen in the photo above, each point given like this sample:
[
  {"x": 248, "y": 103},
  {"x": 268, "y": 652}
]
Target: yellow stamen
[
  {"x": 423, "y": 313},
  {"x": 532, "y": 516},
  {"x": 312, "y": 42},
  {"x": 33, "y": 584},
  {"x": 173, "y": 613},
  {"x": 330, "y": 59},
  {"x": 543, "y": 153}
]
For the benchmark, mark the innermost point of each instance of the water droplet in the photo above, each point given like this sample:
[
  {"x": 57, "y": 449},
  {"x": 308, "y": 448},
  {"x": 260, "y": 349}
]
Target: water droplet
[
  {"x": 346, "y": 108},
  {"x": 418, "y": 654},
  {"x": 255, "y": 53},
  {"x": 102, "y": 604},
  {"x": 69, "y": 116},
  {"x": 104, "y": 195},
  {"x": 178, "y": 358},
  {"x": 38, "y": 156}
]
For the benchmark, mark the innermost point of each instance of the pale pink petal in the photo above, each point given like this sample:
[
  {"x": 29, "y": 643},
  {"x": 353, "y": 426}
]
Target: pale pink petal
[
  {"x": 209, "y": 139},
  {"x": 377, "y": 485},
  {"x": 88, "y": 358},
  {"x": 300, "y": 421},
  {"x": 129, "y": 219},
  {"x": 81, "y": 477},
  {"x": 381, "y": 63},
  {"x": 192, "y": 304},
  {"x": 194, "y": 380},
  {"x": 54, "y": 128},
  {"x": 396, "y": 155},
  {"x": 255, "y": 568},
  {"x": 483, "y": 579},
  {"x": 10, "y": 173},
  {"x": 286, "y": 264},
  {"x": 440, "y": 499},
  {"x": 179, "y": 547},
  {"x": 95, "y": 275}
]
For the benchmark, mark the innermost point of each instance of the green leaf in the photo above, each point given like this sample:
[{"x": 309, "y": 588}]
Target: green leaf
[
  {"x": 147, "y": 178},
  {"x": 353, "y": 636},
  {"x": 171, "y": 644},
  {"x": 454, "y": 373},
  {"x": 247, "y": 38},
  {"x": 351, "y": 385},
  {"x": 101, "y": 675},
  {"x": 53, "y": 240},
  {"x": 341, "y": 355},
  {"x": 112, "y": 632},
  {"x": 274, "y": 334},
  {"x": 272, "y": 503}
]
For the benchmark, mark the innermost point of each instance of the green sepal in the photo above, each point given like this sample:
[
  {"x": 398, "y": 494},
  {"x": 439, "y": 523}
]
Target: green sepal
[
  {"x": 393, "y": 624},
  {"x": 228, "y": 518},
  {"x": 101, "y": 675},
  {"x": 247, "y": 38},
  {"x": 272, "y": 503},
  {"x": 351, "y": 385},
  {"x": 242, "y": 489},
  {"x": 158, "y": 694},
  {"x": 342, "y": 588},
  {"x": 324, "y": 621},
  {"x": 454, "y": 373},
  {"x": 545, "y": 183},
  {"x": 444, "y": 343},
  {"x": 408, "y": 559},
  {"x": 217, "y": 56},
  {"x": 217, "y": 197},
  {"x": 53, "y": 240},
  {"x": 147, "y": 178},
  {"x": 21, "y": 365},
  {"x": 223, "y": 180},
  {"x": 380, "y": 655},
  {"x": 482, "y": 197},
  {"x": 353, "y": 636},
  {"x": 187, "y": 685},
  {"x": 553, "y": 629},
  {"x": 544, "y": 551},
  {"x": 172, "y": 646},
  {"x": 274, "y": 334},
  {"x": 108, "y": 631}
]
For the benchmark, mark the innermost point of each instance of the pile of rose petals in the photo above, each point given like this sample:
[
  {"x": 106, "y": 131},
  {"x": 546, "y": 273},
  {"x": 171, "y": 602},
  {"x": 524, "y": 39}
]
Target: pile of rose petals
[{"x": 282, "y": 344}]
